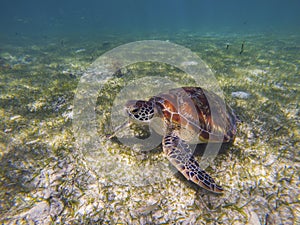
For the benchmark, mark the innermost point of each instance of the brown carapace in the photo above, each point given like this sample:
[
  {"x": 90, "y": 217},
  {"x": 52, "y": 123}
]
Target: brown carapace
[{"x": 189, "y": 114}]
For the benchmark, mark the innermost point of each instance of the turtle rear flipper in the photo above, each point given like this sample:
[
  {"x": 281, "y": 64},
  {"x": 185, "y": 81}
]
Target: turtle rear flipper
[{"x": 181, "y": 156}]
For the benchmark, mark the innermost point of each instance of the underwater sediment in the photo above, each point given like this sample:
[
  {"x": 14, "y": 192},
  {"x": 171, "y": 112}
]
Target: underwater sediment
[{"x": 45, "y": 178}]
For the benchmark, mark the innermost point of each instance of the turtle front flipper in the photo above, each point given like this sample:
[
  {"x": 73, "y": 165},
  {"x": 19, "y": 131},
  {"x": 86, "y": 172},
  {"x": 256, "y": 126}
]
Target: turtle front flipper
[{"x": 181, "y": 156}]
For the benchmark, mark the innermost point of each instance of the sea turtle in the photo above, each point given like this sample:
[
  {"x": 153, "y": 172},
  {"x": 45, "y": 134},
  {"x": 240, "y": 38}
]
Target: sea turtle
[{"x": 187, "y": 112}]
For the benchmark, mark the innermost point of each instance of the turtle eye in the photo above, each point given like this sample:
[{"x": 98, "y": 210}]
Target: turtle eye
[{"x": 135, "y": 110}]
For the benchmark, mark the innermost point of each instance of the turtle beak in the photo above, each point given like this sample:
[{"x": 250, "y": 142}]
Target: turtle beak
[
  {"x": 129, "y": 104},
  {"x": 126, "y": 111}
]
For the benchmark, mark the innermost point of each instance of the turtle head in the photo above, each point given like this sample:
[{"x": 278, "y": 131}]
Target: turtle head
[{"x": 139, "y": 110}]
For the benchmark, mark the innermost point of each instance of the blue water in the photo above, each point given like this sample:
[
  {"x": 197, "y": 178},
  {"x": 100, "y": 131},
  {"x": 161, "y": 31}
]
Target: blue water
[{"x": 77, "y": 17}]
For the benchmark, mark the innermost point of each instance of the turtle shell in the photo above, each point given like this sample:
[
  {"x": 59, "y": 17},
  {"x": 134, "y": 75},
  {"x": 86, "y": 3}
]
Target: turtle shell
[{"x": 198, "y": 113}]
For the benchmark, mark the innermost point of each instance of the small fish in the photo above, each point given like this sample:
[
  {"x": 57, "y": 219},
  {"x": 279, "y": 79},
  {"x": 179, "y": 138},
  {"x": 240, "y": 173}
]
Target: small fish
[
  {"x": 242, "y": 48},
  {"x": 80, "y": 50}
]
